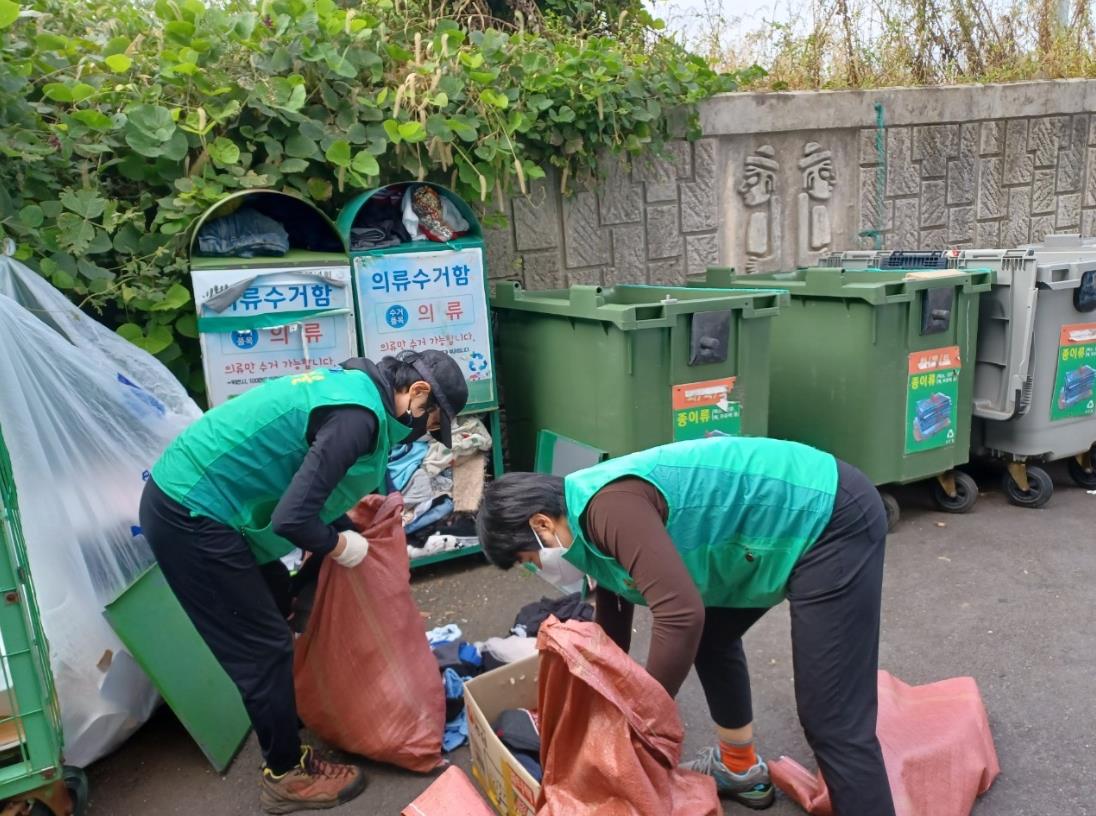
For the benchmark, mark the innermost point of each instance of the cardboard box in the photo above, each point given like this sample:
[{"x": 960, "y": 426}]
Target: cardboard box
[{"x": 508, "y": 786}]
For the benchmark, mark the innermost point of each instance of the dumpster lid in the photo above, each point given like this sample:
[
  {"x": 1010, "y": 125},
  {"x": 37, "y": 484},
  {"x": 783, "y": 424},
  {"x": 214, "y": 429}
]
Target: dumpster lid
[
  {"x": 348, "y": 216},
  {"x": 636, "y": 306},
  {"x": 310, "y": 230},
  {"x": 874, "y": 286}
]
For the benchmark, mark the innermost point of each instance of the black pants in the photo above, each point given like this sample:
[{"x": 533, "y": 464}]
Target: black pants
[
  {"x": 230, "y": 600},
  {"x": 834, "y": 594}
]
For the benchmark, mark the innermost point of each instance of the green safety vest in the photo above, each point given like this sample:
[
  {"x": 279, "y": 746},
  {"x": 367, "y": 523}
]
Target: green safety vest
[
  {"x": 235, "y": 462},
  {"x": 742, "y": 512}
]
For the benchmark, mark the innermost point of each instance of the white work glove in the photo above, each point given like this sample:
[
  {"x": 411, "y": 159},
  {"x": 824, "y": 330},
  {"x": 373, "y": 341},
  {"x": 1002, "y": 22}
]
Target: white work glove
[{"x": 355, "y": 551}]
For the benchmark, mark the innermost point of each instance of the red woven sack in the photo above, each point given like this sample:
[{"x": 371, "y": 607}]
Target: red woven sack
[
  {"x": 610, "y": 734},
  {"x": 451, "y": 794},
  {"x": 936, "y": 744},
  {"x": 366, "y": 679}
]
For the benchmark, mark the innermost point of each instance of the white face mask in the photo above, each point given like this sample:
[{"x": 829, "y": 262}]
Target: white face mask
[{"x": 561, "y": 574}]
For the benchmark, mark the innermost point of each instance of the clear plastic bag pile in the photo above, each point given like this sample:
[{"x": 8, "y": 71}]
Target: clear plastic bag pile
[{"x": 84, "y": 414}]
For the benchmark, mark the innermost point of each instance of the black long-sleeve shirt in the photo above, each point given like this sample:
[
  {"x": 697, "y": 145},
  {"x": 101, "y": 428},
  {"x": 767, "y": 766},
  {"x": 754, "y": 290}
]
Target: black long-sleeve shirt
[{"x": 337, "y": 436}]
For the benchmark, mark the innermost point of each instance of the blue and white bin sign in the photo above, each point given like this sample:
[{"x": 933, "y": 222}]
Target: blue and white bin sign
[
  {"x": 428, "y": 300},
  {"x": 256, "y": 324}
]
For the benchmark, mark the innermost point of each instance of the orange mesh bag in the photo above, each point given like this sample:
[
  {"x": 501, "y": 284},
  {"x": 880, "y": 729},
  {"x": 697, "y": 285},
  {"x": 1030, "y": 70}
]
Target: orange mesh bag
[
  {"x": 610, "y": 734},
  {"x": 936, "y": 744},
  {"x": 451, "y": 794},
  {"x": 366, "y": 679}
]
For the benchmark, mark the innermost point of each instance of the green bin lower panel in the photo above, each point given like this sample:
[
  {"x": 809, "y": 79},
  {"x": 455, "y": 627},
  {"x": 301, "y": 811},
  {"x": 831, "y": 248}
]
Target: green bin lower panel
[{"x": 153, "y": 626}]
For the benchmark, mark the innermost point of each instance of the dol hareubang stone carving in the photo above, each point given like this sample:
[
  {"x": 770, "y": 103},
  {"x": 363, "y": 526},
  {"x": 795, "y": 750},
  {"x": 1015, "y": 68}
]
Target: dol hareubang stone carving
[
  {"x": 815, "y": 232},
  {"x": 758, "y": 191}
]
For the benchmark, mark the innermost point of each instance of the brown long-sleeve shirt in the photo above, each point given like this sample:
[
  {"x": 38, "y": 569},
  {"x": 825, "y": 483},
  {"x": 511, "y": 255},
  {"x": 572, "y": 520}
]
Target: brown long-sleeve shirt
[{"x": 627, "y": 521}]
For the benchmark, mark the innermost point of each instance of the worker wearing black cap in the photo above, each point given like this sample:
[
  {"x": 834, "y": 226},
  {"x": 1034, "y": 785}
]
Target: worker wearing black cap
[{"x": 270, "y": 470}]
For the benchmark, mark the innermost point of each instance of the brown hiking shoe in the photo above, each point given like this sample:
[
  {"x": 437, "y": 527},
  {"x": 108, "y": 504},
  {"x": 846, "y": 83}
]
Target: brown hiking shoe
[{"x": 312, "y": 785}]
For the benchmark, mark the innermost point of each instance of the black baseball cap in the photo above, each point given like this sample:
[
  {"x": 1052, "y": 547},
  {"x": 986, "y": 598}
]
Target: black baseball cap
[{"x": 447, "y": 385}]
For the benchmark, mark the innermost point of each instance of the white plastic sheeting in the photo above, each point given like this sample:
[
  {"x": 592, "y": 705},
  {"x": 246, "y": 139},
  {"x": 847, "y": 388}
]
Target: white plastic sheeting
[{"x": 84, "y": 414}]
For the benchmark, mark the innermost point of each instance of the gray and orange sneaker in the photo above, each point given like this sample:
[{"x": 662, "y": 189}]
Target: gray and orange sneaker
[
  {"x": 313, "y": 785},
  {"x": 754, "y": 789}
]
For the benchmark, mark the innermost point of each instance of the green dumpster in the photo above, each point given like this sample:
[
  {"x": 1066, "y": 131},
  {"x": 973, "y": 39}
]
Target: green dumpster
[
  {"x": 631, "y": 367},
  {"x": 877, "y": 368}
]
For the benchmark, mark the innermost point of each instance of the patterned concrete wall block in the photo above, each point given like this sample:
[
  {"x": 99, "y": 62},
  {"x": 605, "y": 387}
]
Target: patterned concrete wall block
[
  {"x": 1017, "y": 228},
  {"x": 907, "y": 226},
  {"x": 869, "y": 147},
  {"x": 934, "y": 239},
  {"x": 1041, "y": 227},
  {"x": 1042, "y": 192},
  {"x": 1090, "y": 184},
  {"x": 536, "y": 216},
  {"x": 586, "y": 244},
  {"x": 659, "y": 177},
  {"x": 1092, "y": 129},
  {"x": 620, "y": 199},
  {"x": 991, "y": 198},
  {"x": 664, "y": 231},
  {"x": 1071, "y": 161},
  {"x": 1088, "y": 222},
  {"x": 542, "y": 270},
  {"x": 903, "y": 176},
  {"x": 988, "y": 234},
  {"x": 700, "y": 197},
  {"x": 502, "y": 259},
  {"x": 960, "y": 225},
  {"x": 701, "y": 252},
  {"x": 629, "y": 254},
  {"x": 962, "y": 173},
  {"x": 1069, "y": 211},
  {"x": 1018, "y": 163},
  {"x": 666, "y": 273},
  {"x": 585, "y": 277},
  {"x": 1044, "y": 139},
  {"x": 934, "y": 213},
  {"x": 990, "y": 141},
  {"x": 870, "y": 203},
  {"x": 933, "y": 145},
  {"x": 680, "y": 153}
]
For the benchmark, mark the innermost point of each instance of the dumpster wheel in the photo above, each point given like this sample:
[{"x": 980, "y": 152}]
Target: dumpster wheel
[
  {"x": 1040, "y": 487},
  {"x": 961, "y": 497},
  {"x": 1082, "y": 469},
  {"x": 894, "y": 511}
]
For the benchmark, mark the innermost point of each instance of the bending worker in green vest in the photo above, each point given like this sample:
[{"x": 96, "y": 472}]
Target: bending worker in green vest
[
  {"x": 710, "y": 534},
  {"x": 273, "y": 469}
]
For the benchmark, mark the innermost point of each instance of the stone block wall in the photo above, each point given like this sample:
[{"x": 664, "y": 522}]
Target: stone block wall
[{"x": 779, "y": 179}]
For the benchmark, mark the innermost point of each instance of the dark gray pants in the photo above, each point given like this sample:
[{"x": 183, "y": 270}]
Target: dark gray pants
[
  {"x": 229, "y": 598},
  {"x": 834, "y": 594}
]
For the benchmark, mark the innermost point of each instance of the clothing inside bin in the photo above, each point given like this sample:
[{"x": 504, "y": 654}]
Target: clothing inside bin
[
  {"x": 403, "y": 213},
  {"x": 441, "y": 488},
  {"x": 244, "y": 233},
  {"x": 266, "y": 224},
  {"x": 519, "y": 730}
]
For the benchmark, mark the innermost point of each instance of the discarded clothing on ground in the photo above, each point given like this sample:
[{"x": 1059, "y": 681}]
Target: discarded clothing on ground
[
  {"x": 443, "y": 634},
  {"x": 246, "y": 233},
  {"x": 610, "y": 733},
  {"x": 451, "y": 794},
  {"x": 456, "y": 718},
  {"x": 569, "y": 607},
  {"x": 498, "y": 651},
  {"x": 936, "y": 744},
  {"x": 459, "y": 655},
  {"x": 519, "y": 731},
  {"x": 366, "y": 628}
]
